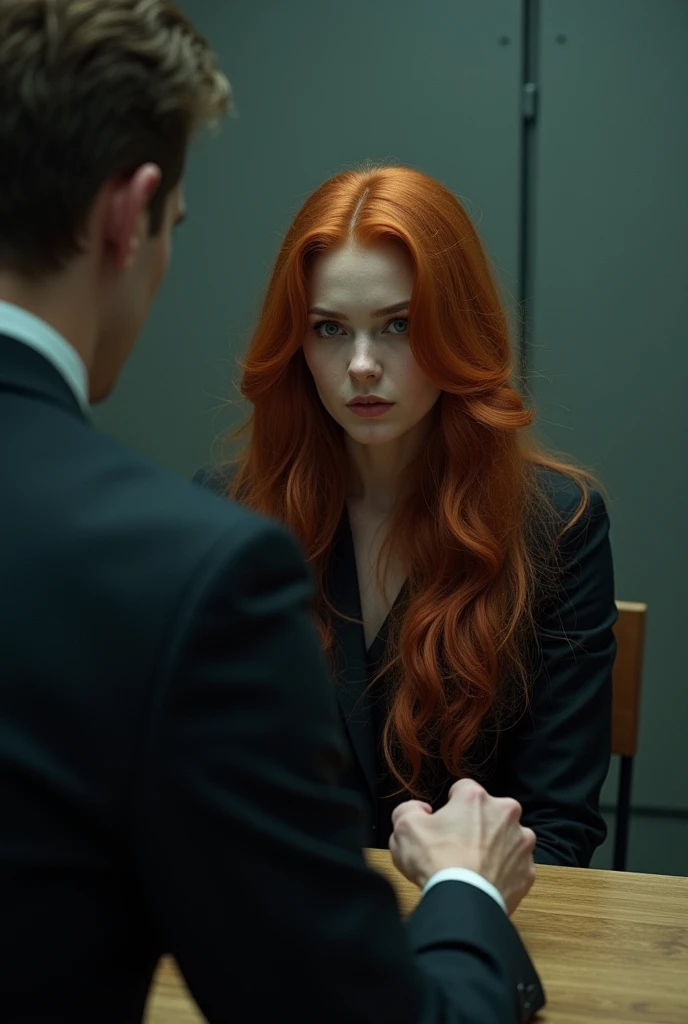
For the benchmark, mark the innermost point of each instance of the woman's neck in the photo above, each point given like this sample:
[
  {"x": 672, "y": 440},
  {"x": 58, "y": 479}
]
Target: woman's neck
[{"x": 377, "y": 471}]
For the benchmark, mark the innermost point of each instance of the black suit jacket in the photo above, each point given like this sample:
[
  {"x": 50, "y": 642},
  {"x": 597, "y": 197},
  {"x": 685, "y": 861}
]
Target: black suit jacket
[
  {"x": 554, "y": 756},
  {"x": 170, "y": 753}
]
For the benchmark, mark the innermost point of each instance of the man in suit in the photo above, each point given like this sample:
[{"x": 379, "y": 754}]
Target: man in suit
[{"x": 170, "y": 750}]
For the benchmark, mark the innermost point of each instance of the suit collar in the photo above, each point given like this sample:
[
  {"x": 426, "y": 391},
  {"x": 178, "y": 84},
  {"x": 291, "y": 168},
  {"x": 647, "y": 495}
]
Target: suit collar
[
  {"x": 22, "y": 325},
  {"x": 23, "y": 370}
]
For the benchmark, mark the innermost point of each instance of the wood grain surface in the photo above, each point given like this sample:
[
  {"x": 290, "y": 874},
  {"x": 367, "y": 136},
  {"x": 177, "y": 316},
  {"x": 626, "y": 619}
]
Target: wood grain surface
[{"x": 610, "y": 947}]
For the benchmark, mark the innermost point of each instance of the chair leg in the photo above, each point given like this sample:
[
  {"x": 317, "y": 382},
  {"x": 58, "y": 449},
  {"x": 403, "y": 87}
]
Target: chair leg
[{"x": 623, "y": 813}]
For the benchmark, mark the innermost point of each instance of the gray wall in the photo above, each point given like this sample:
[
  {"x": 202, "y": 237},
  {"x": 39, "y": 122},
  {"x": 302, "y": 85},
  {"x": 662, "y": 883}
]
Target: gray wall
[
  {"x": 437, "y": 84},
  {"x": 608, "y": 350}
]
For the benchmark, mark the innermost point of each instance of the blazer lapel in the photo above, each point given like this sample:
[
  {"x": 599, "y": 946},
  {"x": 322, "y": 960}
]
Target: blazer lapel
[{"x": 351, "y": 660}]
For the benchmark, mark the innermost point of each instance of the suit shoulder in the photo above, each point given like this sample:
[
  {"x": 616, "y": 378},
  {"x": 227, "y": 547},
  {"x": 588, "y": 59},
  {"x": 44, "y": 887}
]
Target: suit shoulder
[
  {"x": 159, "y": 506},
  {"x": 217, "y": 479},
  {"x": 563, "y": 520},
  {"x": 562, "y": 496}
]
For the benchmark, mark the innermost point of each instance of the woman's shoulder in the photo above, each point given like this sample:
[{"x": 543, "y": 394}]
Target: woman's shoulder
[
  {"x": 563, "y": 496},
  {"x": 567, "y": 516},
  {"x": 215, "y": 478}
]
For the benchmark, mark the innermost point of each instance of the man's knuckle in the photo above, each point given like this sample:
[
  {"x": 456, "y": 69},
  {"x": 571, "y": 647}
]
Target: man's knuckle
[
  {"x": 529, "y": 838},
  {"x": 402, "y": 829},
  {"x": 400, "y": 810},
  {"x": 512, "y": 811}
]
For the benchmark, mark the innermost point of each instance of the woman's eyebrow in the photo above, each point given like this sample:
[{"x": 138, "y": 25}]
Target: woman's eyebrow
[
  {"x": 327, "y": 312},
  {"x": 396, "y": 307}
]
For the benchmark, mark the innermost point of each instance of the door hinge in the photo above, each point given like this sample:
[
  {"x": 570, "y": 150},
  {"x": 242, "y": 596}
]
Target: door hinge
[{"x": 529, "y": 101}]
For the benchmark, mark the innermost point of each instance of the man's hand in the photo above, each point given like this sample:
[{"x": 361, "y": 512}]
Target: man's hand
[{"x": 473, "y": 830}]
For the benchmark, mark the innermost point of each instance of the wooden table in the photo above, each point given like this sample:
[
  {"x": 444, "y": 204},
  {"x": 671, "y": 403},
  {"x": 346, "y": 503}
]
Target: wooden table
[{"x": 610, "y": 947}]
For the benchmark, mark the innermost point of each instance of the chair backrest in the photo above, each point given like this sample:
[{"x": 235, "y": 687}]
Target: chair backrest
[{"x": 627, "y": 677}]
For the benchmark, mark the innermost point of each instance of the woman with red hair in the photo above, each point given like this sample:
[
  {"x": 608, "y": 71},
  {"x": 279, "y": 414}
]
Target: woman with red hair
[{"x": 465, "y": 593}]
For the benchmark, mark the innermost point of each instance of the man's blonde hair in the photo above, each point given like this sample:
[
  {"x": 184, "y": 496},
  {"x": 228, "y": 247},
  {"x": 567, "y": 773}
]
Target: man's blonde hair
[{"x": 90, "y": 90}]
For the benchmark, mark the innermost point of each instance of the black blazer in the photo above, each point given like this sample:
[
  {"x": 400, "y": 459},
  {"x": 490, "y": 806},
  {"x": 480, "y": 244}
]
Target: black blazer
[
  {"x": 554, "y": 757},
  {"x": 170, "y": 753}
]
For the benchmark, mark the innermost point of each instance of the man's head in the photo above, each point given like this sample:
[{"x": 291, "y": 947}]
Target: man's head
[{"x": 98, "y": 102}]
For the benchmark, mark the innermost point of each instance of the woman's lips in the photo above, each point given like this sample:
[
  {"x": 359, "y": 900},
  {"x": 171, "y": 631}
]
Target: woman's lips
[{"x": 370, "y": 409}]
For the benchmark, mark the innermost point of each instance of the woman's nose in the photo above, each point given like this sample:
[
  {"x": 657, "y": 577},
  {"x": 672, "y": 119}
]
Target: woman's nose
[{"x": 364, "y": 365}]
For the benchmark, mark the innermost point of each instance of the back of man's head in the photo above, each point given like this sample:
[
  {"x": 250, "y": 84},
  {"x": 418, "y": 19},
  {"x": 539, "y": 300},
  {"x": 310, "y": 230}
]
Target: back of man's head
[{"x": 91, "y": 90}]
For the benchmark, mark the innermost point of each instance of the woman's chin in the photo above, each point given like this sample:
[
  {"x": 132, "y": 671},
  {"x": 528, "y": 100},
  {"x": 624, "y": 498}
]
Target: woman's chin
[{"x": 372, "y": 434}]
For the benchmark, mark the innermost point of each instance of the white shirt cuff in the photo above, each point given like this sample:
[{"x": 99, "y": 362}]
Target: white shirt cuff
[{"x": 464, "y": 875}]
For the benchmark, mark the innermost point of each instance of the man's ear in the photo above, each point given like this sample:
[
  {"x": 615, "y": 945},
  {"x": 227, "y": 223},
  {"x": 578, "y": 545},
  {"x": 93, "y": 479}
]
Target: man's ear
[{"x": 125, "y": 217}]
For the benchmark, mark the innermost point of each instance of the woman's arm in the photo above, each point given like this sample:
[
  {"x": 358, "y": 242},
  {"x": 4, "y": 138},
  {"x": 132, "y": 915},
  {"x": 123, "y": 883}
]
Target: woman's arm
[{"x": 556, "y": 758}]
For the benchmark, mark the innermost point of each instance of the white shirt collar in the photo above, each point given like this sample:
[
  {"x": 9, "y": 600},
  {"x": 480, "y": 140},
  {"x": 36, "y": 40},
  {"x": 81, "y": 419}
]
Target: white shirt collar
[{"x": 37, "y": 334}]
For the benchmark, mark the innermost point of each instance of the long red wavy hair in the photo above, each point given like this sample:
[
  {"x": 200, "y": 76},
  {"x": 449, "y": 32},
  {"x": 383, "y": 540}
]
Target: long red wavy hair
[{"x": 464, "y": 528}]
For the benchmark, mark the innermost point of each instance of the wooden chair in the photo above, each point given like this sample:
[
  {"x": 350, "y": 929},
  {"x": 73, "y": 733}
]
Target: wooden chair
[{"x": 626, "y": 681}]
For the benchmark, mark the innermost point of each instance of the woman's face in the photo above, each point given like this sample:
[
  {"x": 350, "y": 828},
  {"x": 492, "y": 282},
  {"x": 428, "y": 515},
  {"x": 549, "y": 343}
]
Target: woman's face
[{"x": 357, "y": 344}]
